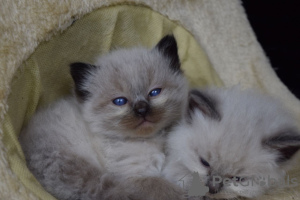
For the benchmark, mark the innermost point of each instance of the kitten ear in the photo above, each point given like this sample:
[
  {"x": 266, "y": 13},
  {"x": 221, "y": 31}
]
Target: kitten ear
[
  {"x": 167, "y": 46},
  {"x": 200, "y": 101},
  {"x": 80, "y": 72},
  {"x": 287, "y": 143}
]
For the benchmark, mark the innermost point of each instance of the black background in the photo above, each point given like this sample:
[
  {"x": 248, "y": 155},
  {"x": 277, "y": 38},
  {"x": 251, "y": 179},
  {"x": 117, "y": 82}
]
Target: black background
[{"x": 276, "y": 24}]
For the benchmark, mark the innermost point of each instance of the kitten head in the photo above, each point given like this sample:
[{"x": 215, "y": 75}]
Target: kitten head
[
  {"x": 239, "y": 143},
  {"x": 132, "y": 92}
]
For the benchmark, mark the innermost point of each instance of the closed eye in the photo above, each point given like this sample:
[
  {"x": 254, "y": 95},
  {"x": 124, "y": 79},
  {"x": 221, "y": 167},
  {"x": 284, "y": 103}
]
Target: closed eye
[
  {"x": 155, "y": 92},
  {"x": 204, "y": 162}
]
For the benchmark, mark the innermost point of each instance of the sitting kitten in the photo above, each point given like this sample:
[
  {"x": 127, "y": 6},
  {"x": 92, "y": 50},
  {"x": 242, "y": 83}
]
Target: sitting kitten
[
  {"x": 108, "y": 141},
  {"x": 239, "y": 142}
]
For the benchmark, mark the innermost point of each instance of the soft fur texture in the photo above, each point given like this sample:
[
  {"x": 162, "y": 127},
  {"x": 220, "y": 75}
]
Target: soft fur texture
[
  {"x": 239, "y": 135},
  {"x": 89, "y": 148},
  {"x": 221, "y": 27}
]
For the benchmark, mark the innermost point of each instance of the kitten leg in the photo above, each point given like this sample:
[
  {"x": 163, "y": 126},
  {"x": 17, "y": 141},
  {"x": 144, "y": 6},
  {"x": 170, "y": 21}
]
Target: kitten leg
[{"x": 67, "y": 176}]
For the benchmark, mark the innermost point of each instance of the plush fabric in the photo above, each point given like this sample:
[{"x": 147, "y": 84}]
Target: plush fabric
[
  {"x": 220, "y": 27},
  {"x": 45, "y": 75}
]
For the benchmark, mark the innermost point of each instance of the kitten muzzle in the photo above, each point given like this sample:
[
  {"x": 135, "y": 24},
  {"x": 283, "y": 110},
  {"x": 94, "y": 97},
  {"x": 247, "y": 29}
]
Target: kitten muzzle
[{"x": 214, "y": 184}]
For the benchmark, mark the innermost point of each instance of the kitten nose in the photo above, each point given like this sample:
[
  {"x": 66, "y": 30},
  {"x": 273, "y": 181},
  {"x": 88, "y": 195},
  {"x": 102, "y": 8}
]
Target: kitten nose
[
  {"x": 141, "y": 108},
  {"x": 214, "y": 186}
]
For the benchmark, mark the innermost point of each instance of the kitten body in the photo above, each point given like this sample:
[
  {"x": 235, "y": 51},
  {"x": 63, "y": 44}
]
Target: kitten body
[
  {"x": 108, "y": 141},
  {"x": 241, "y": 137}
]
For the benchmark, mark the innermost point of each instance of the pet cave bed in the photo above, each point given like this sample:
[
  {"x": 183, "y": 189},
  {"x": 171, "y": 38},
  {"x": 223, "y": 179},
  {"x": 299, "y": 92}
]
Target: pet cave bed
[{"x": 39, "y": 39}]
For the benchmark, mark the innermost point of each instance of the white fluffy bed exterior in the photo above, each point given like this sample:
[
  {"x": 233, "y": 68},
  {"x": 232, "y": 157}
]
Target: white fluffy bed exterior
[{"x": 221, "y": 27}]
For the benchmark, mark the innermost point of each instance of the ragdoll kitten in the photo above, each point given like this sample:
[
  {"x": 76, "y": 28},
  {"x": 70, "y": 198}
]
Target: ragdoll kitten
[
  {"x": 107, "y": 141},
  {"x": 239, "y": 142}
]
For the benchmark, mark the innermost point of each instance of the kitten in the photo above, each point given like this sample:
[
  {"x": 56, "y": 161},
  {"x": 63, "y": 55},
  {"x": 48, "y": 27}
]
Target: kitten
[
  {"x": 239, "y": 142},
  {"x": 107, "y": 141}
]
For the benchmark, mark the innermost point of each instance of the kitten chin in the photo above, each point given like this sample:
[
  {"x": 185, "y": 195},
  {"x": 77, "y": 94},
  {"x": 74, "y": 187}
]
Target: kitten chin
[{"x": 239, "y": 142}]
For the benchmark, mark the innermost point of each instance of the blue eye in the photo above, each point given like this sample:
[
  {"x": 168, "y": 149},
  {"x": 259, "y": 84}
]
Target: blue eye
[
  {"x": 120, "y": 101},
  {"x": 155, "y": 92}
]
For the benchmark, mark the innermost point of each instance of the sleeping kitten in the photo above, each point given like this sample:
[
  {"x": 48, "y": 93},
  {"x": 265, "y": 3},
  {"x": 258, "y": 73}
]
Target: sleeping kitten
[
  {"x": 239, "y": 142},
  {"x": 108, "y": 141}
]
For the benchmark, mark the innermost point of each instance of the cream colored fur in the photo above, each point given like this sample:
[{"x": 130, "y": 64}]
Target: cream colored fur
[
  {"x": 238, "y": 134},
  {"x": 221, "y": 27}
]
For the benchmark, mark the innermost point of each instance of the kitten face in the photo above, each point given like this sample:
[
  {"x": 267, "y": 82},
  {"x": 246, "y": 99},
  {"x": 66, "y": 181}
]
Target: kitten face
[
  {"x": 238, "y": 142},
  {"x": 135, "y": 92}
]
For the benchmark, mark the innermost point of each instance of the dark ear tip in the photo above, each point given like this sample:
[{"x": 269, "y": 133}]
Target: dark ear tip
[
  {"x": 167, "y": 41},
  {"x": 76, "y": 65},
  {"x": 80, "y": 66},
  {"x": 168, "y": 47},
  {"x": 80, "y": 72},
  {"x": 207, "y": 104},
  {"x": 286, "y": 143},
  {"x": 169, "y": 38}
]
